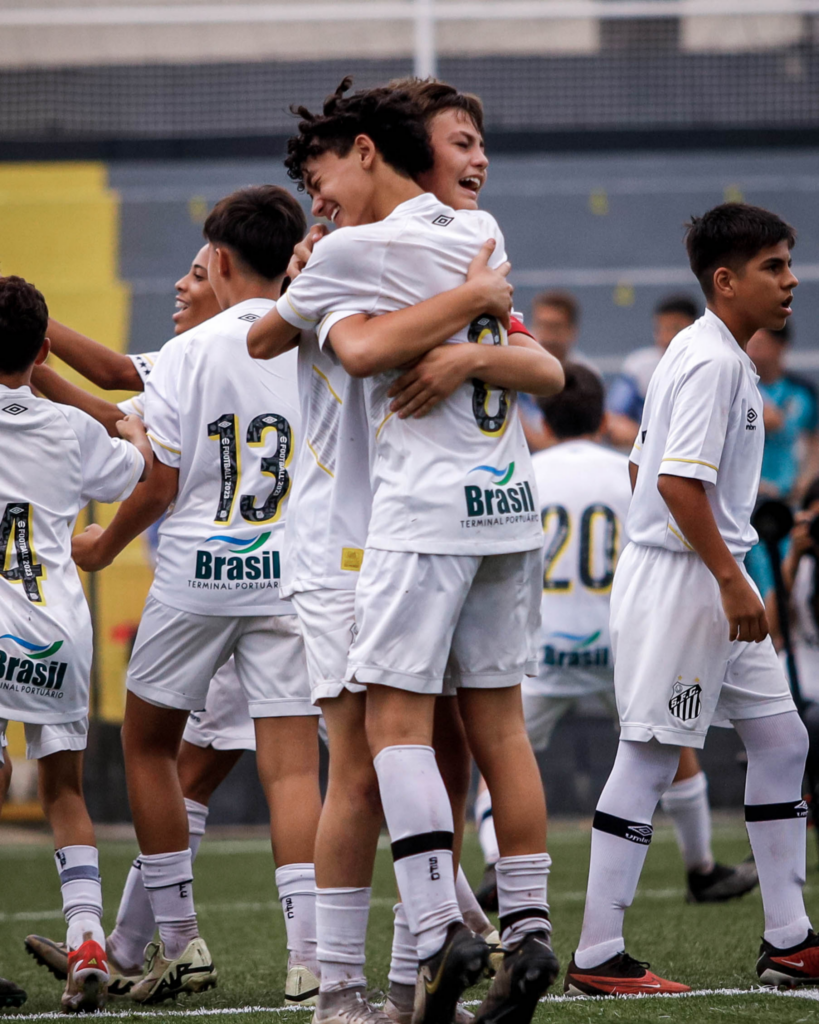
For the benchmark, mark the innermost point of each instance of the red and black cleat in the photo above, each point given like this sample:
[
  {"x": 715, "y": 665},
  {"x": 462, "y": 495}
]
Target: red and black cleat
[
  {"x": 622, "y": 975},
  {"x": 798, "y": 965}
]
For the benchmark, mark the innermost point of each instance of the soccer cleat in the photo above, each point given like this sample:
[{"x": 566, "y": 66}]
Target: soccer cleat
[
  {"x": 54, "y": 957},
  {"x": 347, "y": 1006},
  {"x": 621, "y": 975},
  {"x": 722, "y": 883},
  {"x": 527, "y": 970},
  {"x": 487, "y": 892},
  {"x": 798, "y": 965},
  {"x": 459, "y": 963},
  {"x": 401, "y": 1000},
  {"x": 11, "y": 995},
  {"x": 301, "y": 987},
  {"x": 86, "y": 984},
  {"x": 193, "y": 971},
  {"x": 495, "y": 951}
]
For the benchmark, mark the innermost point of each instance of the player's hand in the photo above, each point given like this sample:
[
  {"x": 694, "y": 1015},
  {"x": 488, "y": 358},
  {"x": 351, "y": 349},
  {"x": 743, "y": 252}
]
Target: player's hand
[
  {"x": 130, "y": 427},
  {"x": 85, "y": 549},
  {"x": 303, "y": 250},
  {"x": 745, "y": 612},
  {"x": 432, "y": 379},
  {"x": 492, "y": 284}
]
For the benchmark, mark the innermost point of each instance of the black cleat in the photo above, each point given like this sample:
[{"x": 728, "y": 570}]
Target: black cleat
[
  {"x": 459, "y": 963},
  {"x": 487, "y": 892},
  {"x": 722, "y": 883},
  {"x": 798, "y": 965},
  {"x": 528, "y": 969},
  {"x": 11, "y": 995}
]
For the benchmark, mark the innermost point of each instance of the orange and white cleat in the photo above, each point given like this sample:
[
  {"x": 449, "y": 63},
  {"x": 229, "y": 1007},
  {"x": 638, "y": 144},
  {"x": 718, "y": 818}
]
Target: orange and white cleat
[
  {"x": 86, "y": 985},
  {"x": 622, "y": 975}
]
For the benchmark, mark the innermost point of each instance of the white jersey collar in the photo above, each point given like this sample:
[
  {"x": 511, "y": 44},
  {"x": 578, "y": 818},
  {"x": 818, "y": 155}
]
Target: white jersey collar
[
  {"x": 711, "y": 318},
  {"x": 24, "y": 390},
  {"x": 418, "y": 204}
]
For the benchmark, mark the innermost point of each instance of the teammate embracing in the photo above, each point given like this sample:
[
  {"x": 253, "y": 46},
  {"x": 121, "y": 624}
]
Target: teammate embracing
[{"x": 688, "y": 628}]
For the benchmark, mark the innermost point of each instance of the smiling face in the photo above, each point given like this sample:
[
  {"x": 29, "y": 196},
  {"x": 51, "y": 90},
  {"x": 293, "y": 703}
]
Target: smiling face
[
  {"x": 460, "y": 166},
  {"x": 195, "y": 299},
  {"x": 340, "y": 187}
]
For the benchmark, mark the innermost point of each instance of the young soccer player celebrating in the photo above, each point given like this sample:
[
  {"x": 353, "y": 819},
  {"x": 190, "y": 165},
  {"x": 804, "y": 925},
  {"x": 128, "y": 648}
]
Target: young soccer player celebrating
[
  {"x": 429, "y": 538},
  {"x": 225, "y": 426},
  {"x": 57, "y": 460},
  {"x": 688, "y": 628}
]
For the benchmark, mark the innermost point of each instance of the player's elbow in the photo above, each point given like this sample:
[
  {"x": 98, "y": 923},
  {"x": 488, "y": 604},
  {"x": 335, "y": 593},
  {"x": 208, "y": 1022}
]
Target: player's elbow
[
  {"x": 550, "y": 380},
  {"x": 359, "y": 362}
]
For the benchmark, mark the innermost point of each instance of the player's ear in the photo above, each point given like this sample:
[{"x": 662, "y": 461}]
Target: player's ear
[
  {"x": 365, "y": 150},
  {"x": 723, "y": 283},
  {"x": 42, "y": 355}
]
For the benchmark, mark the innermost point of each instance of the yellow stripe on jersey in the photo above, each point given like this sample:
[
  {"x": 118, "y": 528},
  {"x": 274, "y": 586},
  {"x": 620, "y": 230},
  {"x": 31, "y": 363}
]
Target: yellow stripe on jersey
[
  {"x": 381, "y": 425},
  {"x": 329, "y": 385},
  {"x": 167, "y": 447},
  {"x": 307, "y": 319},
  {"x": 680, "y": 537},
  {"x": 320, "y": 465},
  {"x": 695, "y": 462}
]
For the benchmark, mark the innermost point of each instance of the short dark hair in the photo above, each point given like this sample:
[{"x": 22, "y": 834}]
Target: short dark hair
[
  {"x": 23, "y": 324},
  {"x": 564, "y": 301},
  {"x": 261, "y": 225},
  {"x": 578, "y": 408},
  {"x": 433, "y": 97},
  {"x": 729, "y": 236},
  {"x": 390, "y": 117},
  {"x": 680, "y": 305}
]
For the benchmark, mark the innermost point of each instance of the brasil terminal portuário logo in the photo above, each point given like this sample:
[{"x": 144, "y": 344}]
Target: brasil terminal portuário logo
[
  {"x": 35, "y": 651},
  {"x": 503, "y": 475},
  {"x": 244, "y": 547},
  {"x": 580, "y": 640}
]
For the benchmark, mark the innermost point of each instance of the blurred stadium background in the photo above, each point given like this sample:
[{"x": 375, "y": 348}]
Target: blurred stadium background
[{"x": 609, "y": 123}]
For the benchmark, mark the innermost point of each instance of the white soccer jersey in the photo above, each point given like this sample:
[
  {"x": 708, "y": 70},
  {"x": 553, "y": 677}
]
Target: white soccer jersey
[
  {"x": 55, "y": 460},
  {"x": 702, "y": 419},
  {"x": 584, "y": 498},
  {"x": 231, "y": 425},
  {"x": 143, "y": 364},
  {"x": 459, "y": 480},
  {"x": 330, "y": 506}
]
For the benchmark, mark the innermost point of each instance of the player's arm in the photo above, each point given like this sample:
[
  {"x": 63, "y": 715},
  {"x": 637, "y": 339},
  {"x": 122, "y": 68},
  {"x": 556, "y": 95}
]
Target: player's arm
[
  {"x": 688, "y": 503},
  {"x": 633, "y": 470},
  {"x": 101, "y": 365},
  {"x": 271, "y": 336},
  {"x": 369, "y": 345},
  {"x": 523, "y": 365},
  {"x": 49, "y": 383},
  {"x": 95, "y": 548}
]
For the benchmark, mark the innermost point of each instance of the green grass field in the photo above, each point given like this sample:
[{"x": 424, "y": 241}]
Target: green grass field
[{"x": 709, "y": 947}]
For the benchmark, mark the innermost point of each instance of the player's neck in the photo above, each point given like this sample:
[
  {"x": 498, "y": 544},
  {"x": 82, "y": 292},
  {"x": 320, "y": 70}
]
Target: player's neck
[
  {"x": 392, "y": 190},
  {"x": 13, "y": 381},
  {"x": 240, "y": 288},
  {"x": 736, "y": 322}
]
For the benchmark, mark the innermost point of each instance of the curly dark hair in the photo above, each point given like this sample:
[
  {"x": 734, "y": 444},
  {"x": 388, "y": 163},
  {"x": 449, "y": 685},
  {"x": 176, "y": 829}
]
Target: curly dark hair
[
  {"x": 390, "y": 117},
  {"x": 23, "y": 324}
]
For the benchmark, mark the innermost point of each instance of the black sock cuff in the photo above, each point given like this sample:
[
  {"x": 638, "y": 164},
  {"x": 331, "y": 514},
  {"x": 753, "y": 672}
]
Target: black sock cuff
[
  {"x": 634, "y": 831},
  {"x": 424, "y": 842},
  {"x": 507, "y": 920},
  {"x": 776, "y": 812}
]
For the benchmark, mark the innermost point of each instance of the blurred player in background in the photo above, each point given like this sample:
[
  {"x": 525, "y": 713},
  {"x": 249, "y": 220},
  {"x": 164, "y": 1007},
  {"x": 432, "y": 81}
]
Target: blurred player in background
[
  {"x": 584, "y": 495},
  {"x": 57, "y": 459}
]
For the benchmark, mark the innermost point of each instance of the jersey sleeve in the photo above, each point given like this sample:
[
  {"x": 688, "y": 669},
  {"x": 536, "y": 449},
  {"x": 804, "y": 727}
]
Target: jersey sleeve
[
  {"x": 161, "y": 407},
  {"x": 143, "y": 363},
  {"x": 133, "y": 406},
  {"x": 699, "y": 420},
  {"x": 111, "y": 467},
  {"x": 517, "y": 326}
]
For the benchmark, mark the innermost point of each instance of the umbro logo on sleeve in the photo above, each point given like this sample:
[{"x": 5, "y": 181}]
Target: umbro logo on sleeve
[
  {"x": 14, "y": 409},
  {"x": 249, "y": 316},
  {"x": 752, "y": 417},
  {"x": 443, "y": 221}
]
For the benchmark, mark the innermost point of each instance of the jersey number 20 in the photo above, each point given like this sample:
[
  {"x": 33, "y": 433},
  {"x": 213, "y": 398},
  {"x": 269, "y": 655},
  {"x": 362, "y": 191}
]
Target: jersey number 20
[{"x": 607, "y": 539}]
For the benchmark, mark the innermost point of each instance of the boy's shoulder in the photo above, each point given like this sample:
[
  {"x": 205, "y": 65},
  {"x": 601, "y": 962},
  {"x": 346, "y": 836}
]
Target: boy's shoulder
[
  {"x": 706, "y": 341},
  {"x": 576, "y": 452}
]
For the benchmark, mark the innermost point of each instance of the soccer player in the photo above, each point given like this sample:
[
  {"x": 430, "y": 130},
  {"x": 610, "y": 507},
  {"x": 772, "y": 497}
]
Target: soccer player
[
  {"x": 214, "y": 737},
  {"x": 57, "y": 459},
  {"x": 399, "y": 247},
  {"x": 584, "y": 498},
  {"x": 225, "y": 428},
  {"x": 688, "y": 628}
]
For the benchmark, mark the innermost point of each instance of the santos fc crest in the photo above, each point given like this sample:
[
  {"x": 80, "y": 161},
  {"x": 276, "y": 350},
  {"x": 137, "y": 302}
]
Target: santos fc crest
[{"x": 685, "y": 702}]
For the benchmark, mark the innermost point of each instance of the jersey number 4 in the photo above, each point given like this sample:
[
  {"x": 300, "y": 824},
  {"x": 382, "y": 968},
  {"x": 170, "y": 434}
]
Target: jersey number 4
[
  {"x": 15, "y": 539},
  {"x": 225, "y": 430},
  {"x": 599, "y": 544}
]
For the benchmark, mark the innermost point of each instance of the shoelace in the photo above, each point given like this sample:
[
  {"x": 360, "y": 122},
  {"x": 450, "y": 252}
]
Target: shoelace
[
  {"x": 629, "y": 961},
  {"x": 362, "y": 1013}
]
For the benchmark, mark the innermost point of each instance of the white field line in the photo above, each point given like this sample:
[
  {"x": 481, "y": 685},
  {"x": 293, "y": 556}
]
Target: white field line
[{"x": 809, "y": 994}]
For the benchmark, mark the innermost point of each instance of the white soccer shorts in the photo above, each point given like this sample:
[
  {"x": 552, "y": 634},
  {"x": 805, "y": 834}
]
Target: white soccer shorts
[
  {"x": 542, "y": 711},
  {"x": 421, "y": 616},
  {"x": 225, "y": 722},
  {"x": 675, "y": 670},
  {"x": 177, "y": 653},
  {"x": 328, "y": 626},
  {"x": 42, "y": 740}
]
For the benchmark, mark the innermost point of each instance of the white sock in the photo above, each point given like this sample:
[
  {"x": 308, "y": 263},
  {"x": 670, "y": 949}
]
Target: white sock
[
  {"x": 419, "y": 819},
  {"x": 297, "y": 892},
  {"x": 79, "y": 871},
  {"x": 485, "y": 824},
  {"x": 197, "y": 821},
  {"x": 168, "y": 878},
  {"x": 522, "y": 905},
  {"x": 471, "y": 911},
  {"x": 404, "y": 960},
  {"x": 686, "y": 803},
  {"x": 341, "y": 929},
  {"x": 776, "y": 819},
  {"x": 621, "y": 834},
  {"x": 135, "y": 925}
]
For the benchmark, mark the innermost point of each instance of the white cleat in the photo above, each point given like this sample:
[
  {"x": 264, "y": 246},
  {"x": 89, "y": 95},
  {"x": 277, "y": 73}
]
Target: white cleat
[
  {"x": 301, "y": 987},
  {"x": 347, "y": 1007},
  {"x": 193, "y": 971}
]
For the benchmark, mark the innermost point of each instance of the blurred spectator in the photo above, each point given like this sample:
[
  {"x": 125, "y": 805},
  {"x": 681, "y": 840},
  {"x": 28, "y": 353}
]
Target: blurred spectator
[
  {"x": 555, "y": 324},
  {"x": 627, "y": 392}
]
